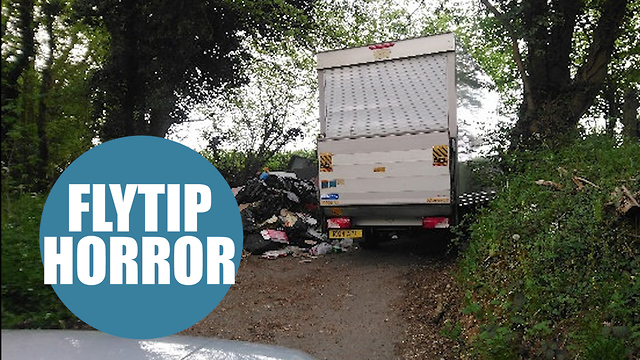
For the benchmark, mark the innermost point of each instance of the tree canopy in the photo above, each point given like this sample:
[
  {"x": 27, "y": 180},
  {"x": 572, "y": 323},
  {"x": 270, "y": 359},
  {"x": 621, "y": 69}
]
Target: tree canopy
[
  {"x": 79, "y": 72},
  {"x": 563, "y": 51},
  {"x": 162, "y": 51}
]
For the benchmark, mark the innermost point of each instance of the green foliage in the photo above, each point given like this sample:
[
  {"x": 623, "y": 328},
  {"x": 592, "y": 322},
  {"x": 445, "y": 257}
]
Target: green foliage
[
  {"x": 19, "y": 160},
  {"x": 261, "y": 119},
  {"x": 546, "y": 263},
  {"x": 606, "y": 349},
  {"x": 482, "y": 37},
  {"x": 163, "y": 52},
  {"x": 229, "y": 164},
  {"x": 26, "y": 301},
  {"x": 565, "y": 36},
  {"x": 233, "y": 165},
  {"x": 45, "y": 108},
  {"x": 281, "y": 160},
  {"x": 451, "y": 330}
]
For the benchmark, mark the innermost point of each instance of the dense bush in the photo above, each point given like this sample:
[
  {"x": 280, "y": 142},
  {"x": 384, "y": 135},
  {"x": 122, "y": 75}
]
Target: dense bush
[
  {"x": 26, "y": 301},
  {"x": 551, "y": 269}
]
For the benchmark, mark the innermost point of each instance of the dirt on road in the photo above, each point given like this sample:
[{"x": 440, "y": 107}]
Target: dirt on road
[{"x": 393, "y": 302}]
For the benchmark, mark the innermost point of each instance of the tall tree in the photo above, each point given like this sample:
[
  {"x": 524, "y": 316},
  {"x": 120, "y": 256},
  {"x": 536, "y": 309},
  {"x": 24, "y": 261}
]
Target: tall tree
[
  {"x": 258, "y": 122},
  {"x": 630, "y": 119},
  {"x": 50, "y": 9},
  {"x": 560, "y": 76},
  {"x": 21, "y": 49},
  {"x": 45, "y": 123},
  {"x": 163, "y": 51},
  {"x": 19, "y": 93}
]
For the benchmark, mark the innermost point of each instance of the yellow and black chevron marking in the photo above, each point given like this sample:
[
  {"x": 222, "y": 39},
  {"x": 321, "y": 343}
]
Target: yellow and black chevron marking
[
  {"x": 326, "y": 162},
  {"x": 440, "y": 155}
]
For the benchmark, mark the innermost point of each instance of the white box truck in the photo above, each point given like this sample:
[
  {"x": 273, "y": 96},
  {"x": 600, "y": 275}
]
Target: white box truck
[{"x": 387, "y": 149}]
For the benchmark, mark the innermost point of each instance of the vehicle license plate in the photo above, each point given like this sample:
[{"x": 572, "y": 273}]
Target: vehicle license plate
[{"x": 342, "y": 233}]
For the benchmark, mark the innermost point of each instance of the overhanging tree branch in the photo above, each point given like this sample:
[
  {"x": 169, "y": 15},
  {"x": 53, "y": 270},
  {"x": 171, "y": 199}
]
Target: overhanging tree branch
[
  {"x": 591, "y": 75},
  {"x": 517, "y": 57},
  {"x": 604, "y": 36}
]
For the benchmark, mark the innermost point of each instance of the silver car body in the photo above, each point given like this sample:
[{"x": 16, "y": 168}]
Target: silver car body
[{"x": 95, "y": 345}]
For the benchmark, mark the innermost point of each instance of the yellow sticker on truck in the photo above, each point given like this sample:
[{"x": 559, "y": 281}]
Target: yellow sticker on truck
[
  {"x": 326, "y": 162},
  {"x": 440, "y": 155},
  {"x": 345, "y": 233}
]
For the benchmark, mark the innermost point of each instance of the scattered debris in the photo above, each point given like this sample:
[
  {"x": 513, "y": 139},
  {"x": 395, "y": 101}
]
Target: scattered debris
[
  {"x": 256, "y": 244},
  {"x": 336, "y": 246},
  {"x": 275, "y": 235},
  {"x": 321, "y": 249},
  {"x": 625, "y": 202},
  {"x": 289, "y": 250},
  {"x": 578, "y": 183},
  {"x": 345, "y": 243},
  {"x": 280, "y": 217}
]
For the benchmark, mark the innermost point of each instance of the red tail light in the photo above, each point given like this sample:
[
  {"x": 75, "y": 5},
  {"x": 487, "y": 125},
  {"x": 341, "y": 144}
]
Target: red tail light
[
  {"x": 339, "y": 223},
  {"x": 436, "y": 222}
]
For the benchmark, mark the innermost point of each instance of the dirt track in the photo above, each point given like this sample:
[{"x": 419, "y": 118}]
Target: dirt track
[{"x": 362, "y": 304}]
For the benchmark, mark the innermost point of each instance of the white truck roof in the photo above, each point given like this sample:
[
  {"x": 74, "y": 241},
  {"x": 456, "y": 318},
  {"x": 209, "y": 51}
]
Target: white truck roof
[{"x": 398, "y": 50}]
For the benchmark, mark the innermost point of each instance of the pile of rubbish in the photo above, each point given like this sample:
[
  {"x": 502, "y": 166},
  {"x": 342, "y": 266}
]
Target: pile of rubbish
[{"x": 280, "y": 217}]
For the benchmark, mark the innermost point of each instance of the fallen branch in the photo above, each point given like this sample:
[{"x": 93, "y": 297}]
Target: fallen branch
[
  {"x": 628, "y": 193},
  {"x": 578, "y": 183},
  {"x": 587, "y": 181},
  {"x": 552, "y": 184},
  {"x": 623, "y": 200}
]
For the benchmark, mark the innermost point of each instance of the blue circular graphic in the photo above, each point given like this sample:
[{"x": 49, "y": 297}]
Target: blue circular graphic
[{"x": 156, "y": 237}]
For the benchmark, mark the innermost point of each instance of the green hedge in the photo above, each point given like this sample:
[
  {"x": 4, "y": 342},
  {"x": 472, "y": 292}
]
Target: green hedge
[
  {"x": 552, "y": 271},
  {"x": 232, "y": 164},
  {"x": 26, "y": 301}
]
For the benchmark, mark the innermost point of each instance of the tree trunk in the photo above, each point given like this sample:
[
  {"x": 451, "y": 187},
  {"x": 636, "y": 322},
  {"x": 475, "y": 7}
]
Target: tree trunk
[
  {"x": 552, "y": 121},
  {"x": 554, "y": 102},
  {"x": 613, "y": 107},
  {"x": 24, "y": 59},
  {"x": 123, "y": 80},
  {"x": 161, "y": 112},
  {"x": 50, "y": 10},
  {"x": 133, "y": 113},
  {"x": 630, "y": 118}
]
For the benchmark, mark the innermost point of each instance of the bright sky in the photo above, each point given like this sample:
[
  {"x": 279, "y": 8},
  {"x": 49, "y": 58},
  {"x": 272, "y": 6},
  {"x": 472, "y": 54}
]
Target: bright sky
[{"x": 473, "y": 120}]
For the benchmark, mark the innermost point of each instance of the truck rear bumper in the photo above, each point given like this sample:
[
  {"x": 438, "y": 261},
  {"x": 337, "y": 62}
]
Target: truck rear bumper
[{"x": 389, "y": 215}]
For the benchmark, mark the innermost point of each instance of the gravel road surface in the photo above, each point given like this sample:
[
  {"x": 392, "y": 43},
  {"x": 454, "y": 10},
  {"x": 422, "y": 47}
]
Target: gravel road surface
[{"x": 391, "y": 302}]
